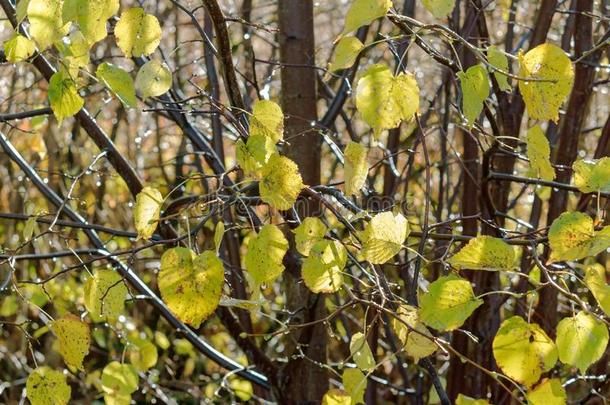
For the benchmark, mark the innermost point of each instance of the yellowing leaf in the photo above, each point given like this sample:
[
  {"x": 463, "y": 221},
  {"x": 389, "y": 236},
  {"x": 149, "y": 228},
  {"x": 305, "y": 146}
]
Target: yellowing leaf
[
  {"x": 153, "y": 79},
  {"x": 63, "y": 96},
  {"x": 475, "y": 89},
  {"x": 336, "y": 397},
  {"x": 364, "y": 12},
  {"x": 595, "y": 279},
  {"x": 19, "y": 48},
  {"x": 498, "y": 60},
  {"x": 384, "y": 100},
  {"x": 346, "y": 53},
  {"x": 383, "y": 237},
  {"x": 218, "y": 235},
  {"x": 466, "y": 400},
  {"x": 548, "y": 392},
  {"x": 91, "y": 16},
  {"x": 356, "y": 167},
  {"x": 121, "y": 379},
  {"x": 47, "y": 387},
  {"x": 137, "y": 33},
  {"x": 254, "y": 154},
  {"x": 581, "y": 340},
  {"x": 354, "y": 383},
  {"x": 21, "y": 11},
  {"x": 147, "y": 211},
  {"x": 280, "y": 183},
  {"x": 416, "y": 338},
  {"x": 543, "y": 98},
  {"x": 268, "y": 120},
  {"x": 539, "y": 153},
  {"x": 573, "y": 237},
  {"x": 105, "y": 295},
  {"x": 322, "y": 270},
  {"x": 592, "y": 176},
  {"x": 74, "y": 339},
  {"x": 265, "y": 253},
  {"x": 241, "y": 388},
  {"x": 191, "y": 285},
  {"x": 119, "y": 82},
  {"x": 309, "y": 231},
  {"x": 484, "y": 253},
  {"x": 361, "y": 352},
  {"x": 46, "y": 24},
  {"x": 448, "y": 303},
  {"x": 75, "y": 52},
  {"x": 523, "y": 351},
  {"x": 439, "y": 8},
  {"x": 142, "y": 353}
]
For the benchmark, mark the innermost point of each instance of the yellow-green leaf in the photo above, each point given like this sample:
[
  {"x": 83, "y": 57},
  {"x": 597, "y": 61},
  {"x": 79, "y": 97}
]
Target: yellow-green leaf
[
  {"x": 336, "y": 397},
  {"x": 191, "y": 285},
  {"x": 498, "y": 60},
  {"x": 21, "y": 11},
  {"x": 383, "y": 237},
  {"x": 119, "y": 82},
  {"x": 74, "y": 339},
  {"x": 142, "y": 353},
  {"x": 322, "y": 270},
  {"x": 484, "y": 253},
  {"x": 346, "y": 53},
  {"x": 219, "y": 233},
  {"x": 308, "y": 233},
  {"x": 592, "y": 176},
  {"x": 475, "y": 89},
  {"x": 75, "y": 52},
  {"x": 137, "y": 33},
  {"x": 543, "y": 98},
  {"x": 46, "y": 23},
  {"x": 466, "y": 400},
  {"x": 448, "y": 303},
  {"x": 439, "y": 8},
  {"x": 581, "y": 340},
  {"x": 539, "y": 153},
  {"x": 523, "y": 351},
  {"x": 153, "y": 79},
  {"x": 361, "y": 352},
  {"x": 254, "y": 154},
  {"x": 19, "y": 48},
  {"x": 415, "y": 337},
  {"x": 595, "y": 279},
  {"x": 280, "y": 183},
  {"x": 147, "y": 211},
  {"x": 119, "y": 379},
  {"x": 364, "y": 12},
  {"x": 241, "y": 388},
  {"x": 354, "y": 383},
  {"x": 384, "y": 100},
  {"x": 265, "y": 253},
  {"x": 47, "y": 387},
  {"x": 91, "y": 16},
  {"x": 573, "y": 237},
  {"x": 63, "y": 95},
  {"x": 548, "y": 392},
  {"x": 356, "y": 167},
  {"x": 268, "y": 120},
  {"x": 105, "y": 294}
]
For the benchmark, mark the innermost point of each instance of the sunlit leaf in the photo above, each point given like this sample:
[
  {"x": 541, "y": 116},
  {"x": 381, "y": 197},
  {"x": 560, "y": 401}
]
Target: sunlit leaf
[
  {"x": 322, "y": 270},
  {"x": 119, "y": 378},
  {"x": 75, "y": 52},
  {"x": 383, "y": 237},
  {"x": 91, "y": 16},
  {"x": 308, "y": 233},
  {"x": 191, "y": 285},
  {"x": 595, "y": 279},
  {"x": 241, "y": 388},
  {"x": 346, "y": 53},
  {"x": 581, "y": 340},
  {"x": 548, "y": 392},
  {"x": 268, "y": 120},
  {"x": 543, "y": 98},
  {"x": 142, "y": 353},
  {"x": 439, "y": 8},
  {"x": 573, "y": 237},
  {"x": 361, "y": 352},
  {"x": 119, "y": 82},
  {"x": 74, "y": 339},
  {"x": 254, "y": 154},
  {"x": 523, "y": 351},
  {"x": 539, "y": 153},
  {"x": 104, "y": 295},
  {"x": 356, "y": 167},
  {"x": 336, "y": 397},
  {"x": 137, "y": 33},
  {"x": 46, "y": 23},
  {"x": 354, "y": 383},
  {"x": 484, "y": 253},
  {"x": 475, "y": 89},
  {"x": 21, "y": 11},
  {"x": 384, "y": 100},
  {"x": 147, "y": 211},
  {"x": 265, "y": 253},
  {"x": 466, "y": 400},
  {"x": 415, "y": 337},
  {"x": 47, "y": 387},
  {"x": 592, "y": 176},
  {"x": 364, "y": 12},
  {"x": 19, "y": 48},
  {"x": 153, "y": 79},
  {"x": 63, "y": 96},
  {"x": 498, "y": 60},
  {"x": 280, "y": 183}
]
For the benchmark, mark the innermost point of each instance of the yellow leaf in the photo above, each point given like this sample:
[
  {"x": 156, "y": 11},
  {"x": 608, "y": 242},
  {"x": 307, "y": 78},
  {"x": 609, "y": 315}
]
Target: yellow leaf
[
  {"x": 595, "y": 279},
  {"x": 361, "y": 352},
  {"x": 310, "y": 231},
  {"x": 105, "y": 295},
  {"x": 218, "y": 235},
  {"x": 119, "y": 82},
  {"x": 74, "y": 339},
  {"x": 383, "y": 237},
  {"x": 63, "y": 95},
  {"x": 539, "y": 153},
  {"x": 91, "y": 16},
  {"x": 543, "y": 98},
  {"x": 548, "y": 392},
  {"x": 322, "y": 270},
  {"x": 268, "y": 120},
  {"x": 265, "y": 253},
  {"x": 142, "y": 353},
  {"x": 254, "y": 154},
  {"x": 364, "y": 12},
  {"x": 592, "y": 176},
  {"x": 498, "y": 60},
  {"x": 46, "y": 23},
  {"x": 356, "y": 167},
  {"x": 19, "y": 48},
  {"x": 281, "y": 182},
  {"x": 137, "y": 33},
  {"x": 47, "y": 387},
  {"x": 466, "y": 400},
  {"x": 475, "y": 89},
  {"x": 119, "y": 379},
  {"x": 147, "y": 212},
  {"x": 354, "y": 383},
  {"x": 415, "y": 337},
  {"x": 484, "y": 253},
  {"x": 439, "y": 8},
  {"x": 336, "y": 397},
  {"x": 346, "y": 53},
  {"x": 153, "y": 79},
  {"x": 581, "y": 340},
  {"x": 573, "y": 237}
]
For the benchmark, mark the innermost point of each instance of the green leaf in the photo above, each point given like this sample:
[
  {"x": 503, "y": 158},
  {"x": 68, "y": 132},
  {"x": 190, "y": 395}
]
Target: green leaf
[
  {"x": 191, "y": 285},
  {"x": 310, "y": 231},
  {"x": 417, "y": 340},
  {"x": 63, "y": 96},
  {"x": 595, "y": 279},
  {"x": 448, "y": 303},
  {"x": 19, "y": 48},
  {"x": 91, "y": 16},
  {"x": 280, "y": 183},
  {"x": 356, "y": 167},
  {"x": 475, "y": 89},
  {"x": 539, "y": 153},
  {"x": 147, "y": 212},
  {"x": 466, "y": 400},
  {"x": 384, "y": 100},
  {"x": 46, "y": 24},
  {"x": 265, "y": 253},
  {"x": 119, "y": 82},
  {"x": 75, "y": 52},
  {"x": 573, "y": 237},
  {"x": 484, "y": 253},
  {"x": 153, "y": 79},
  {"x": 21, "y": 11},
  {"x": 336, "y": 397},
  {"x": 104, "y": 295},
  {"x": 439, "y": 8},
  {"x": 361, "y": 352},
  {"x": 364, "y": 12},
  {"x": 498, "y": 60},
  {"x": 548, "y": 392},
  {"x": 581, "y": 340},
  {"x": 322, "y": 270},
  {"x": 268, "y": 120},
  {"x": 354, "y": 383},
  {"x": 218, "y": 235},
  {"x": 121, "y": 379},
  {"x": 346, "y": 53},
  {"x": 543, "y": 98},
  {"x": 74, "y": 339},
  {"x": 142, "y": 353},
  {"x": 254, "y": 154},
  {"x": 592, "y": 176},
  {"x": 137, "y": 33},
  {"x": 47, "y": 387},
  {"x": 523, "y": 351},
  {"x": 383, "y": 237}
]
